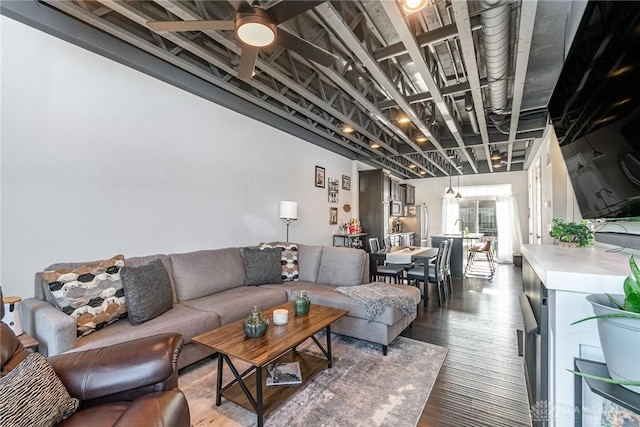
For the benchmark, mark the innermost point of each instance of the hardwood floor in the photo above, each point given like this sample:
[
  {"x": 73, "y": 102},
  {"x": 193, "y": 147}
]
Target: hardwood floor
[{"x": 482, "y": 380}]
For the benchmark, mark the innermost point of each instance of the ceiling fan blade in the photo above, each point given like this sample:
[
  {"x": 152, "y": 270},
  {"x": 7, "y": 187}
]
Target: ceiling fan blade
[
  {"x": 304, "y": 48},
  {"x": 248, "y": 60},
  {"x": 172, "y": 26},
  {"x": 286, "y": 10}
]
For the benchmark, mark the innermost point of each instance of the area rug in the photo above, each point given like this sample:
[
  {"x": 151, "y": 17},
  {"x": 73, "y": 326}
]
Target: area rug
[{"x": 364, "y": 388}]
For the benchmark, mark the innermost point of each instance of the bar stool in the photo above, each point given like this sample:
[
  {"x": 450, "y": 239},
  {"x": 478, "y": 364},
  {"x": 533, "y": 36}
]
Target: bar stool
[{"x": 484, "y": 249}]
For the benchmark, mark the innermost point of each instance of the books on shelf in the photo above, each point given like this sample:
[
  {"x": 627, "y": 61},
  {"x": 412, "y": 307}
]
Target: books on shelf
[{"x": 283, "y": 374}]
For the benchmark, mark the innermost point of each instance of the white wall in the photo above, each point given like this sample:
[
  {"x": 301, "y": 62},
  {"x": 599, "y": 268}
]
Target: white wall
[
  {"x": 99, "y": 159},
  {"x": 431, "y": 191}
]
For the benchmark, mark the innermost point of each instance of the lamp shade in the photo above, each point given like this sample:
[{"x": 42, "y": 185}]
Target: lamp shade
[{"x": 289, "y": 210}]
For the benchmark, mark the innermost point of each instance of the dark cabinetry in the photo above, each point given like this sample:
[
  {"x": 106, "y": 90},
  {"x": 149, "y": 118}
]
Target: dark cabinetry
[
  {"x": 410, "y": 194},
  {"x": 374, "y": 203},
  {"x": 394, "y": 189}
]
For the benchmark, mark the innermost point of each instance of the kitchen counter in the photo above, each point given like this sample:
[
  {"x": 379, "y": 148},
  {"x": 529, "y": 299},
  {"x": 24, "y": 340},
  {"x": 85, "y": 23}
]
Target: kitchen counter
[{"x": 590, "y": 270}]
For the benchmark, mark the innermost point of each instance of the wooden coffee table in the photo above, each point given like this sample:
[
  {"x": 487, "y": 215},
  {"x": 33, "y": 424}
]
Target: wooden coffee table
[{"x": 277, "y": 345}]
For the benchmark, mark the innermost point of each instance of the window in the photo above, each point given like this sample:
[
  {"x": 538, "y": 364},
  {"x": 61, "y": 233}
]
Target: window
[{"x": 479, "y": 215}]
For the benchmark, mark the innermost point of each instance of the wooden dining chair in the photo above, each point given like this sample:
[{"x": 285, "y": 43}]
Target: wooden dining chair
[{"x": 436, "y": 274}]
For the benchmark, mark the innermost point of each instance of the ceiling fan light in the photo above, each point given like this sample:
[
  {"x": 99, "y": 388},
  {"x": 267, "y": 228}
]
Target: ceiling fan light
[
  {"x": 255, "y": 29},
  {"x": 497, "y": 164},
  {"x": 421, "y": 139},
  {"x": 495, "y": 155},
  {"x": 413, "y": 6}
]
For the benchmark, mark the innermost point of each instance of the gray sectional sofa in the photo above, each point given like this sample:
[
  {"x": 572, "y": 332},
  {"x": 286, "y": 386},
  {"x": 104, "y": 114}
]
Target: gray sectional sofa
[{"x": 209, "y": 291}]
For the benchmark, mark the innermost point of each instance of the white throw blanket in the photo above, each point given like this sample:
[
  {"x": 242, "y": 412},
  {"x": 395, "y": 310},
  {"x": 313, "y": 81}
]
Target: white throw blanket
[{"x": 377, "y": 296}]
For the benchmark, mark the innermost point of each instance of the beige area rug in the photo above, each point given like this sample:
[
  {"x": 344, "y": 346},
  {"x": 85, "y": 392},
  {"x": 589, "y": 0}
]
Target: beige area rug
[{"x": 364, "y": 388}]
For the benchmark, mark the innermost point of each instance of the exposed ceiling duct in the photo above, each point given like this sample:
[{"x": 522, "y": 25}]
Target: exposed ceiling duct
[{"x": 496, "y": 19}]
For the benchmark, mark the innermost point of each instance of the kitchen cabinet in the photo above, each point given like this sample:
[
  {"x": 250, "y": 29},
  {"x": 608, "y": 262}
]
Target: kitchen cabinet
[
  {"x": 394, "y": 189},
  {"x": 410, "y": 194},
  {"x": 403, "y": 196},
  {"x": 374, "y": 195}
]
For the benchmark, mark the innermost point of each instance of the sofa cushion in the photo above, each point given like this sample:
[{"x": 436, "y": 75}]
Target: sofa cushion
[
  {"x": 181, "y": 319},
  {"x": 309, "y": 262},
  {"x": 33, "y": 395},
  {"x": 137, "y": 261},
  {"x": 201, "y": 273},
  {"x": 147, "y": 290},
  {"x": 289, "y": 259},
  {"x": 341, "y": 266},
  {"x": 237, "y": 303},
  {"x": 262, "y": 266},
  {"x": 92, "y": 293}
]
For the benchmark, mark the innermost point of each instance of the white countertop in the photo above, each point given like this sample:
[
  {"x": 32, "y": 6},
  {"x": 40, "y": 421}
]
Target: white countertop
[
  {"x": 401, "y": 233},
  {"x": 587, "y": 270}
]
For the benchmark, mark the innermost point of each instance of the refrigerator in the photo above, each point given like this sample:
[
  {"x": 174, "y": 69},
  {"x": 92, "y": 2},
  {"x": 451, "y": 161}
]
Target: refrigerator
[{"x": 416, "y": 220}]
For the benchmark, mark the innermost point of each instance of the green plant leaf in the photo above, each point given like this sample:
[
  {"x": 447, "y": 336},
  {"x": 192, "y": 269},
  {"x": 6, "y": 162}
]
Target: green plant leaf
[
  {"x": 632, "y": 288},
  {"x": 613, "y": 301},
  {"x": 627, "y": 315},
  {"x": 606, "y": 379}
]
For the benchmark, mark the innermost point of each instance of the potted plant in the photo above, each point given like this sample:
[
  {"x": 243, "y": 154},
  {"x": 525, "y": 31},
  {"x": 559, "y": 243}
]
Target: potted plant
[
  {"x": 571, "y": 234},
  {"x": 619, "y": 331}
]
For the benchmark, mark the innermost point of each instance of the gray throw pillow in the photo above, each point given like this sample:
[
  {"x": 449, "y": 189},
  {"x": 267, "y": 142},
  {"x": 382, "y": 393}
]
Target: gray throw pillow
[
  {"x": 147, "y": 291},
  {"x": 262, "y": 266}
]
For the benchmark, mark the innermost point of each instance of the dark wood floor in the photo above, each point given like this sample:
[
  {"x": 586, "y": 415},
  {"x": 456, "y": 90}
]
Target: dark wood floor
[{"x": 482, "y": 380}]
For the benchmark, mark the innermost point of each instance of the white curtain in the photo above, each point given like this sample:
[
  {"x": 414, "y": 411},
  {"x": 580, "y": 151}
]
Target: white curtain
[
  {"x": 509, "y": 232},
  {"x": 450, "y": 212}
]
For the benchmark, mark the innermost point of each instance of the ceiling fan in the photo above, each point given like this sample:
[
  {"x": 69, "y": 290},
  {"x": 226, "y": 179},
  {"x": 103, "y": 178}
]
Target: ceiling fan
[{"x": 256, "y": 27}]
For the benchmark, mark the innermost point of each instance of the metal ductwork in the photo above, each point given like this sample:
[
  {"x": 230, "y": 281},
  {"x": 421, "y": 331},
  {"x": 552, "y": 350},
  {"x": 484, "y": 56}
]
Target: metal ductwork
[
  {"x": 496, "y": 22},
  {"x": 469, "y": 107}
]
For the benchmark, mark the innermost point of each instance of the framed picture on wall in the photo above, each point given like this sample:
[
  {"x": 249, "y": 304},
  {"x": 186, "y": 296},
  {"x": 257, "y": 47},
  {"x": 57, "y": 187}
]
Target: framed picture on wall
[
  {"x": 346, "y": 182},
  {"x": 333, "y": 216},
  {"x": 319, "y": 177},
  {"x": 333, "y": 190}
]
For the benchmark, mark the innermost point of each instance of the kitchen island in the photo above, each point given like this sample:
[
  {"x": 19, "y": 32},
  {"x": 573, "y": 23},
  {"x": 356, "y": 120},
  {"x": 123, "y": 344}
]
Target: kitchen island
[
  {"x": 556, "y": 281},
  {"x": 459, "y": 250}
]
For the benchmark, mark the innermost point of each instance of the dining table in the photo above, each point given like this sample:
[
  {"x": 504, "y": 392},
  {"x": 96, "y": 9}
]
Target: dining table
[{"x": 404, "y": 254}]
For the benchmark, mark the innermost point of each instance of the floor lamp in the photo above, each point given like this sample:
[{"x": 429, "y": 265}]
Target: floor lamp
[{"x": 288, "y": 212}]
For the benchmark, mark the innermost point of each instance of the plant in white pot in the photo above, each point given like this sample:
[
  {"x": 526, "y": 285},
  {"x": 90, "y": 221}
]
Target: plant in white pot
[{"x": 619, "y": 331}]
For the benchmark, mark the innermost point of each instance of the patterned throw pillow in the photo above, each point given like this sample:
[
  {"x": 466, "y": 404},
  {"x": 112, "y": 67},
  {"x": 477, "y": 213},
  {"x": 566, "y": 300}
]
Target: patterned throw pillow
[
  {"x": 92, "y": 294},
  {"x": 33, "y": 395},
  {"x": 288, "y": 260}
]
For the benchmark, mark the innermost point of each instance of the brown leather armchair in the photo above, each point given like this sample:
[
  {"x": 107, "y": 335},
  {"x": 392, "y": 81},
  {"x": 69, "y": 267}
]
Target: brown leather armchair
[{"x": 129, "y": 384}]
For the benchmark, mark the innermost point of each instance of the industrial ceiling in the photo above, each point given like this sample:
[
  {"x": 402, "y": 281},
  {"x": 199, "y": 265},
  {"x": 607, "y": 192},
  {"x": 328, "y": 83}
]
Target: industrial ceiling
[{"x": 432, "y": 93}]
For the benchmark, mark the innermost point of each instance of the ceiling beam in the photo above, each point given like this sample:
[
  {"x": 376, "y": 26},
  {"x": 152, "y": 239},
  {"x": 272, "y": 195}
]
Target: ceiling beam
[
  {"x": 463, "y": 23},
  {"x": 437, "y": 35},
  {"x": 408, "y": 38},
  {"x": 525, "y": 34}
]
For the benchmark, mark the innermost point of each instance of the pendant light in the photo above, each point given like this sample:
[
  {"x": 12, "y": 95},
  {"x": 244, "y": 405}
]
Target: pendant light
[
  {"x": 458, "y": 196},
  {"x": 450, "y": 191}
]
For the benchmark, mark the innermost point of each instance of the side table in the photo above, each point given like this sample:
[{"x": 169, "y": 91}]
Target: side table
[{"x": 28, "y": 342}]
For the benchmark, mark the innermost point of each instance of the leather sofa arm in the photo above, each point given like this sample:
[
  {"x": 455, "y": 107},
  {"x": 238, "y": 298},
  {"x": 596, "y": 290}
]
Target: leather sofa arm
[
  {"x": 168, "y": 408},
  {"x": 122, "y": 371}
]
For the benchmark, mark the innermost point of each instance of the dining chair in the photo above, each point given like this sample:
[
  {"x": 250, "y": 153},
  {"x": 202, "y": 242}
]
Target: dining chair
[
  {"x": 374, "y": 245},
  {"x": 393, "y": 271},
  {"x": 447, "y": 268},
  {"x": 436, "y": 274},
  {"x": 387, "y": 242}
]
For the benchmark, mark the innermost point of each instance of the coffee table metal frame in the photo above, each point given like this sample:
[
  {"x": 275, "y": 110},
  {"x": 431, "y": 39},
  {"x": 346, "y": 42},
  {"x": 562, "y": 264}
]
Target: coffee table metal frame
[{"x": 279, "y": 344}]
